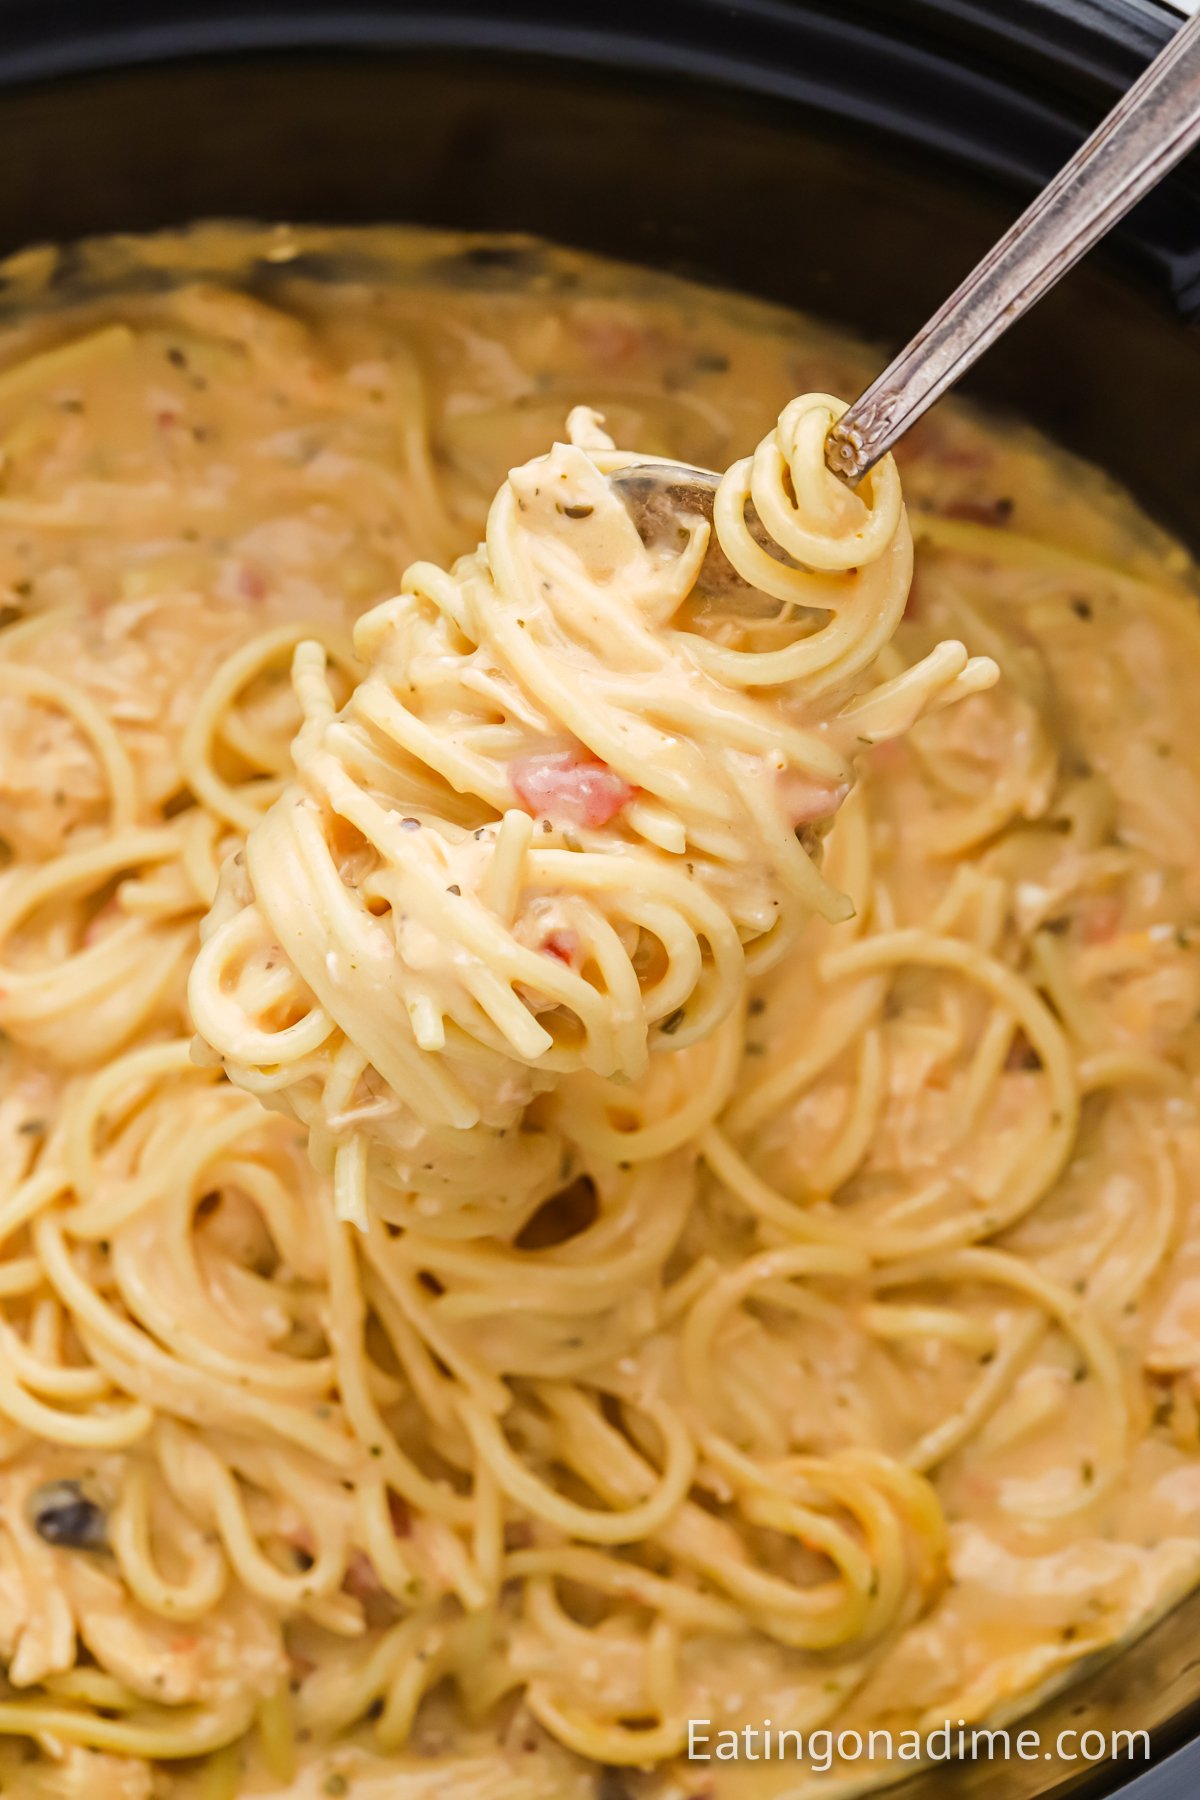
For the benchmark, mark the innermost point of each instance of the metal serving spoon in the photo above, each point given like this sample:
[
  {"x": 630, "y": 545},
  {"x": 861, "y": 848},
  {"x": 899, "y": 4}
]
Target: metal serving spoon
[{"x": 1155, "y": 124}]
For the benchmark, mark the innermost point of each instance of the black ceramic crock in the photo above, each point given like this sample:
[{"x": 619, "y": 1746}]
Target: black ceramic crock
[
  {"x": 850, "y": 157},
  {"x": 858, "y": 154}
]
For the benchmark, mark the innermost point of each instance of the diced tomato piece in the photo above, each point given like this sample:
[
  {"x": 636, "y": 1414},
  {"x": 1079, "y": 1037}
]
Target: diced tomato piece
[
  {"x": 250, "y": 582},
  {"x": 570, "y": 789},
  {"x": 562, "y": 944}
]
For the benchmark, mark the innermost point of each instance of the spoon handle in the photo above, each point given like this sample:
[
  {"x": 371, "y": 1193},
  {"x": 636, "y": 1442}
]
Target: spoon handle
[{"x": 1145, "y": 134}]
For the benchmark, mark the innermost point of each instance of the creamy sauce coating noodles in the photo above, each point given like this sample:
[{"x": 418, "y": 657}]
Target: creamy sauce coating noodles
[
  {"x": 619, "y": 775},
  {"x": 836, "y": 1367}
]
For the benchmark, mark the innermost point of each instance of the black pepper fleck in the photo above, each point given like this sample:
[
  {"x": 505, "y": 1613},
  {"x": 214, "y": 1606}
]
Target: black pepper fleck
[{"x": 65, "y": 1516}]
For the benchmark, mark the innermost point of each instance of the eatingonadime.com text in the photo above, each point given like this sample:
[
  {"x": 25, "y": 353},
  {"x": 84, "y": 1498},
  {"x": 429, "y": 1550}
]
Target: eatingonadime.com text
[{"x": 953, "y": 1740}]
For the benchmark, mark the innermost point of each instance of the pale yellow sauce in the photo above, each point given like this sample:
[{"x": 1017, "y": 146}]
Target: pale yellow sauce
[{"x": 214, "y": 468}]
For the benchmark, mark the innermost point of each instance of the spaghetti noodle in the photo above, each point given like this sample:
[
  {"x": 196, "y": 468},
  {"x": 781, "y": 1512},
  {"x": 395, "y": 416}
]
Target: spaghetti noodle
[
  {"x": 548, "y": 819},
  {"x": 754, "y": 1372}
]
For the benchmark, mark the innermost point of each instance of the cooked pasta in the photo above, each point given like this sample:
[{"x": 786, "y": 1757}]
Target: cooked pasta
[
  {"x": 826, "y": 1354},
  {"x": 615, "y": 799}
]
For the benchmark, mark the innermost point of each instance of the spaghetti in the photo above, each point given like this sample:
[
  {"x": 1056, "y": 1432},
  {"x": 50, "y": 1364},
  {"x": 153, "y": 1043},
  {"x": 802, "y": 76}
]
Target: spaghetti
[
  {"x": 756, "y": 1371},
  {"x": 552, "y": 814}
]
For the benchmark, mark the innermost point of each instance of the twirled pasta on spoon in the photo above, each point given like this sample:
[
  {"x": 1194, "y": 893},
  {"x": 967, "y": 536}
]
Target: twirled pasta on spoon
[{"x": 569, "y": 807}]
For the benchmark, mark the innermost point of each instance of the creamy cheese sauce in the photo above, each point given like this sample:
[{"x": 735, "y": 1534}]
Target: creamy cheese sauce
[{"x": 913, "y": 1231}]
